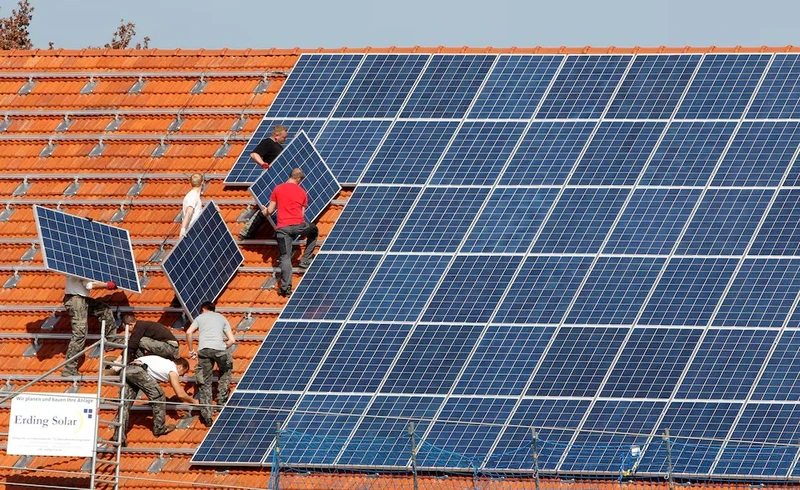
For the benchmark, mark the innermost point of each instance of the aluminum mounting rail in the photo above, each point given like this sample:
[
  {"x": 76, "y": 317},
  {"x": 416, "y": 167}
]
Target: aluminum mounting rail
[{"x": 21, "y": 74}]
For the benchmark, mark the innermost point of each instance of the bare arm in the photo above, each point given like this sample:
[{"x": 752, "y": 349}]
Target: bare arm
[
  {"x": 189, "y": 341},
  {"x": 257, "y": 158},
  {"x": 175, "y": 382},
  {"x": 229, "y": 338},
  {"x": 270, "y": 208},
  {"x": 187, "y": 218}
]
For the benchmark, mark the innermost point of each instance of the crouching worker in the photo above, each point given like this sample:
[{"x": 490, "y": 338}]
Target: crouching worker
[{"x": 144, "y": 374}]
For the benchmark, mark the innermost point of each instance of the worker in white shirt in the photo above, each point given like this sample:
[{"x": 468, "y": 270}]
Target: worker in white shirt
[
  {"x": 80, "y": 305},
  {"x": 192, "y": 204}
]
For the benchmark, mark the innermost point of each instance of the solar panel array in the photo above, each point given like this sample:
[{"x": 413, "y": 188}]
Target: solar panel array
[
  {"x": 601, "y": 247},
  {"x": 202, "y": 263},
  {"x": 80, "y": 247}
]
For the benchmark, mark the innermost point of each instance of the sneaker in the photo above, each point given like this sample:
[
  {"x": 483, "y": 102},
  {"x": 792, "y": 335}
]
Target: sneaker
[
  {"x": 166, "y": 430},
  {"x": 285, "y": 292},
  {"x": 304, "y": 264}
]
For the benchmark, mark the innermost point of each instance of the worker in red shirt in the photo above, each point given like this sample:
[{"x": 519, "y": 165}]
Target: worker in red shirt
[{"x": 291, "y": 201}]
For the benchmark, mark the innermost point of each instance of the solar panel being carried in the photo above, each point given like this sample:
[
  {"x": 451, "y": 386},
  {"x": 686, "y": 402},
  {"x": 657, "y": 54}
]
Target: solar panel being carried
[
  {"x": 87, "y": 249},
  {"x": 599, "y": 247}
]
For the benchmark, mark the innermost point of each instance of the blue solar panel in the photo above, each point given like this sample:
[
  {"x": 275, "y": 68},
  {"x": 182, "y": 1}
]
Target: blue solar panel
[
  {"x": 478, "y": 153},
  {"x": 580, "y": 220},
  {"x": 440, "y": 219},
  {"x": 347, "y": 146},
  {"x": 651, "y": 362},
  {"x": 761, "y": 294},
  {"x": 652, "y": 221},
  {"x": 577, "y": 361},
  {"x": 319, "y": 183},
  {"x": 360, "y": 357},
  {"x": 759, "y": 154},
  {"x": 401, "y": 288},
  {"x": 515, "y": 86},
  {"x": 290, "y": 354},
  {"x": 547, "y": 153},
  {"x": 726, "y": 364},
  {"x": 381, "y": 85},
  {"x": 688, "y": 291},
  {"x": 448, "y": 85},
  {"x": 615, "y": 290},
  {"x": 504, "y": 360},
  {"x": 245, "y": 171},
  {"x": 471, "y": 288},
  {"x": 431, "y": 359},
  {"x": 653, "y": 86},
  {"x": 543, "y": 289},
  {"x": 780, "y": 232},
  {"x": 688, "y": 153},
  {"x": 81, "y": 247},
  {"x": 410, "y": 152},
  {"x": 617, "y": 153},
  {"x": 464, "y": 432},
  {"x": 315, "y": 85},
  {"x": 510, "y": 219},
  {"x": 779, "y": 94},
  {"x": 723, "y": 86},
  {"x": 724, "y": 222},
  {"x": 584, "y": 86},
  {"x": 780, "y": 380},
  {"x": 200, "y": 266},
  {"x": 331, "y": 288}
]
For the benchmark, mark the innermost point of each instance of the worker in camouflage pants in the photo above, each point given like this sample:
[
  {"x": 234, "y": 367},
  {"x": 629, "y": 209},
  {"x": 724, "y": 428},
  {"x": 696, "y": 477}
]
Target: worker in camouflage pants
[{"x": 80, "y": 305}]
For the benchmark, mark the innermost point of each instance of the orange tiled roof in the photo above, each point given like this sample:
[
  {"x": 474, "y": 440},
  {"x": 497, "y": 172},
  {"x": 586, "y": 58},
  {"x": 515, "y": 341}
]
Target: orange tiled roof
[{"x": 230, "y": 93}]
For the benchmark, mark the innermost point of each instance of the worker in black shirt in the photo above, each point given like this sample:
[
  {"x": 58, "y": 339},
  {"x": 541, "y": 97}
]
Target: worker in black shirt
[
  {"x": 152, "y": 337},
  {"x": 264, "y": 154}
]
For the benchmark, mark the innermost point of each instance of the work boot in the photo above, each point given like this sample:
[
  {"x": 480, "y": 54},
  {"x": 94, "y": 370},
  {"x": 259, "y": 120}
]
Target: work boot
[{"x": 166, "y": 430}]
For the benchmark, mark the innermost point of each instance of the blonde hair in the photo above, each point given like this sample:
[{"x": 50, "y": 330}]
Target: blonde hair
[
  {"x": 197, "y": 180},
  {"x": 278, "y": 129}
]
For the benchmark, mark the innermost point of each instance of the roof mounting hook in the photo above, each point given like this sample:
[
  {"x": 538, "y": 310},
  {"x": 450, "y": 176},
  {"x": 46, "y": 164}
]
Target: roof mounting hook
[{"x": 5, "y": 123}]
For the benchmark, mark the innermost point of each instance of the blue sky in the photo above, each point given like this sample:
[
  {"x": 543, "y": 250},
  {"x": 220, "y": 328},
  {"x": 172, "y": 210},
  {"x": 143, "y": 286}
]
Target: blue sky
[{"x": 358, "y": 23}]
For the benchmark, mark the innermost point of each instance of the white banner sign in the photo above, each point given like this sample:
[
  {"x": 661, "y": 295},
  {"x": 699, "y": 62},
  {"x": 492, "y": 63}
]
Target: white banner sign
[{"x": 52, "y": 424}]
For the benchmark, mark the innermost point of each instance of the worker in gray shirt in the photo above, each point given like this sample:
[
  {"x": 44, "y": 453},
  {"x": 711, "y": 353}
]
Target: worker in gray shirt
[{"x": 213, "y": 338}]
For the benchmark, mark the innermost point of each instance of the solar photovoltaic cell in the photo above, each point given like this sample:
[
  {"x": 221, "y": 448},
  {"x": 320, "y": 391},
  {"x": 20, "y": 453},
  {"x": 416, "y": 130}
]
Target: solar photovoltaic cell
[
  {"x": 471, "y": 288},
  {"x": 440, "y": 219},
  {"x": 653, "y": 86},
  {"x": 617, "y": 153},
  {"x": 726, "y": 364},
  {"x": 543, "y": 289},
  {"x": 779, "y": 94},
  {"x": 615, "y": 290},
  {"x": 759, "y": 154},
  {"x": 347, "y": 146},
  {"x": 431, "y": 359},
  {"x": 360, "y": 357},
  {"x": 651, "y": 362},
  {"x": 478, "y": 153},
  {"x": 780, "y": 380},
  {"x": 410, "y": 152},
  {"x": 504, "y": 360},
  {"x": 652, "y": 221},
  {"x": 688, "y": 153},
  {"x": 547, "y": 153},
  {"x": 761, "y": 293},
  {"x": 696, "y": 430},
  {"x": 200, "y": 266},
  {"x": 510, "y": 220},
  {"x": 447, "y": 86},
  {"x": 600, "y": 442},
  {"x": 401, "y": 287},
  {"x": 84, "y": 248},
  {"x": 319, "y": 183},
  {"x": 515, "y": 86},
  {"x": 724, "y": 222},
  {"x": 577, "y": 361},
  {"x": 381, "y": 85},
  {"x": 331, "y": 287},
  {"x": 723, "y": 86},
  {"x": 314, "y": 85},
  {"x": 780, "y": 232},
  {"x": 245, "y": 171},
  {"x": 688, "y": 291},
  {"x": 583, "y": 87},
  {"x": 289, "y": 340},
  {"x": 464, "y": 432}
]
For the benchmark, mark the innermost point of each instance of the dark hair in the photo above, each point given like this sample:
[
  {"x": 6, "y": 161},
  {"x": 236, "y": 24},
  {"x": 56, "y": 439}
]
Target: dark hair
[
  {"x": 128, "y": 318},
  {"x": 208, "y": 305},
  {"x": 182, "y": 363}
]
